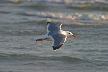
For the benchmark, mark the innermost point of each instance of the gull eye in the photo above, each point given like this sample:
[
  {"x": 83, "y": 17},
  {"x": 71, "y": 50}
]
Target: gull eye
[{"x": 69, "y": 33}]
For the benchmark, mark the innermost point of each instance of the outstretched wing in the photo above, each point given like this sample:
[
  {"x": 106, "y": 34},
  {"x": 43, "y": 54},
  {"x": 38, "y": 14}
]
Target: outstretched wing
[
  {"x": 53, "y": 26},
  {"x": 58, "y": 40}
]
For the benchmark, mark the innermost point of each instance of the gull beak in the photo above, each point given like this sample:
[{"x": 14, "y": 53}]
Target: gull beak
[{"x": 73, "y": 35}]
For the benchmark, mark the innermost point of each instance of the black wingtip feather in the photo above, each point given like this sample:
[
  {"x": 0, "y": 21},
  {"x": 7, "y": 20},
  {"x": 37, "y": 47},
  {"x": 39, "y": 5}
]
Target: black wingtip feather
[
  {"x": 54, "y": 48},
  {"x": 48, "y": 23}
]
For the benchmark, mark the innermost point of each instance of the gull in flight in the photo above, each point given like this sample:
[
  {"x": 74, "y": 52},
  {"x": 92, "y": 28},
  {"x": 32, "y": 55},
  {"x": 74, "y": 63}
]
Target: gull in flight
[{"x": 55, "y": 34}]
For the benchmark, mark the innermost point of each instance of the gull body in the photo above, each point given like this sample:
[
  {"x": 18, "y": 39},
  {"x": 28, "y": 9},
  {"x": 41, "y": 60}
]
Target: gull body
[{"x": 55, "y": 34}]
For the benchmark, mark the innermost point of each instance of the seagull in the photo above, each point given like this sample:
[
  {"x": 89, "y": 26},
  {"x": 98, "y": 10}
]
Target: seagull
[{"x": 55, "y": 34}]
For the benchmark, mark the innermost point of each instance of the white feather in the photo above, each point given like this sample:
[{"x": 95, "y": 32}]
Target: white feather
[{"x": 41, "y": 37}]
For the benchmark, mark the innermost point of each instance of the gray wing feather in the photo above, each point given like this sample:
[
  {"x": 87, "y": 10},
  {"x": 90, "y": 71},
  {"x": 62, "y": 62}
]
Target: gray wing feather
[
  {"x": 59, "y": 40},
  {"x": 53, "y": 26}
]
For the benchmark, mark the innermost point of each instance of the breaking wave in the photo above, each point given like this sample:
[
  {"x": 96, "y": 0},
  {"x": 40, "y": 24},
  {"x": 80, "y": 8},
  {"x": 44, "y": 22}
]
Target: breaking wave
[{"x": 68, "y": 16}]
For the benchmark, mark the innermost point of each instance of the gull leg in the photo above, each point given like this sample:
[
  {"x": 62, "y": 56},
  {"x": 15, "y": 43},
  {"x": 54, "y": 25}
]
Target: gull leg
[{"x": 41, "y": 39}]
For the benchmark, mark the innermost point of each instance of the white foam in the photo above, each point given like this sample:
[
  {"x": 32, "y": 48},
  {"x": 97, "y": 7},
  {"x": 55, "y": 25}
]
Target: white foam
[
  {"x": 75, "y": 1},
  {"x": 70, "y": 16}
]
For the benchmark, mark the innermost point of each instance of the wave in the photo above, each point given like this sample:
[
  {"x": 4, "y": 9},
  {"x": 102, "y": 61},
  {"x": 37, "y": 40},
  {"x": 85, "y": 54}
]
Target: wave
[
  {"x": 35, "y": 57},
  {"x": 72, "y": 4},
  {"x": 68, "y": 59},
  {"x": 4, "y": 12},
  {"x": 88, "y": 7},
  {"x": 37, "y": 6},
  {"x": 17, "y": 32},
  {"x": 69, "y": 1},
  {"x": 10, "y": 1},
  {"x": 68, "y": 16},
  {"x": 39, "y": 3}
]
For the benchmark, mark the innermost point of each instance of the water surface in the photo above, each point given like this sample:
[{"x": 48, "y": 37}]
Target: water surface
[{"x": 21, "y": 20}]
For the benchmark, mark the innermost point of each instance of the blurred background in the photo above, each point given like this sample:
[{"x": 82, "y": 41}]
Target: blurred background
[{"x": 21, "y": 20}]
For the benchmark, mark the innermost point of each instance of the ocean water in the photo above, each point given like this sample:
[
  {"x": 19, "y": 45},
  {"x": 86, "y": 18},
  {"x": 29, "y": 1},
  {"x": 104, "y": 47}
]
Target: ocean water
[{"x": 21, "y": 20}]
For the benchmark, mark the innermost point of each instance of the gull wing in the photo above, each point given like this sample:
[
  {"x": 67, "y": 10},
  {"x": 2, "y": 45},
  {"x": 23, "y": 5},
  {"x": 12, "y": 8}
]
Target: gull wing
[
  {"x": 58, "y": 40},
  {"x": 53, "y": 26}
]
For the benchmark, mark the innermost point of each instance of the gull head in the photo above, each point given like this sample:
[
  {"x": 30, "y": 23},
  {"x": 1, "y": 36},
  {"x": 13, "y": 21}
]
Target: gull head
[{"x": 70, "y": 34}]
